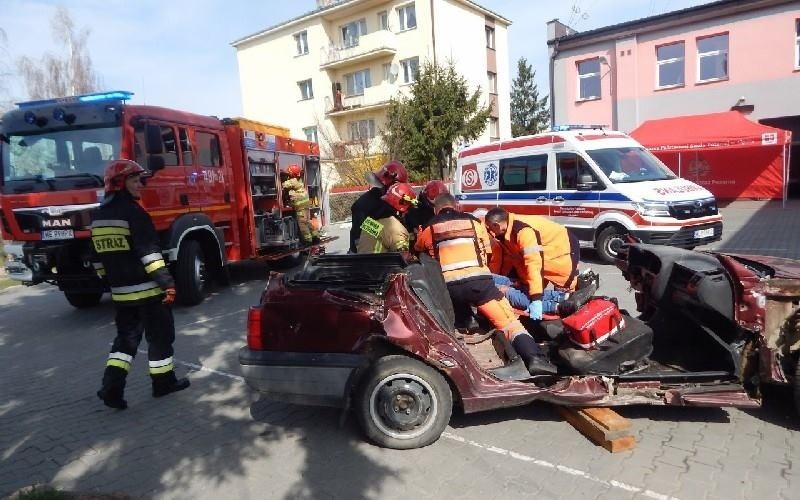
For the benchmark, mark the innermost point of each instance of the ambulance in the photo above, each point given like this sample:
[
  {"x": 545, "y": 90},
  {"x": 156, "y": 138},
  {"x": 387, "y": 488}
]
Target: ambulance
[{"x": 599, "y": 183}]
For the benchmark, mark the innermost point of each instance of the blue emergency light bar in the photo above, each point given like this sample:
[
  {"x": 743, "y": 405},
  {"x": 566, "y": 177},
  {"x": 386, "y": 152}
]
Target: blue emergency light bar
[
  {"x": 565, "y": 128},
  {"x": 114, "y": 95}
]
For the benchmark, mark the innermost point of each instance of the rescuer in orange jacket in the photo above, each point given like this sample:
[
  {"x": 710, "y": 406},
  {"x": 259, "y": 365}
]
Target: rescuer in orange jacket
[
  {"x": 460, "y": 243},
  {"x": 539, "y": 250}
]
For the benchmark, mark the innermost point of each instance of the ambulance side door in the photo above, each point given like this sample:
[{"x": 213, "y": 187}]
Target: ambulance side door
[
  {"x": 523, "y": 184},
  {"x": 572, "y": 203}
]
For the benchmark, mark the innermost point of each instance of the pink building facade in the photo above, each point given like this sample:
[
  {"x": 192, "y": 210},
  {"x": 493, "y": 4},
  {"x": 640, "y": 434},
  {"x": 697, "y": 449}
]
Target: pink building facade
[{"x": 728, "y": 54}]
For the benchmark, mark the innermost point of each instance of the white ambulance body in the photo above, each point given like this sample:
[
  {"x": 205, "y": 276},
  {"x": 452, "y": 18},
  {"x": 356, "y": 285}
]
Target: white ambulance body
[{"x": 601, "y": 184}]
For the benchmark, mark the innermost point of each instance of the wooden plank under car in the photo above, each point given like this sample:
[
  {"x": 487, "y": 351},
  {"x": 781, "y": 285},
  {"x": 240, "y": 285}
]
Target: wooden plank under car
[{"x": 603, "y": 426}]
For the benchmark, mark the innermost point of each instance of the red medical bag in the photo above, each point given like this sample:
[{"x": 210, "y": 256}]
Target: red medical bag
[{"x": 593, "y": 323}]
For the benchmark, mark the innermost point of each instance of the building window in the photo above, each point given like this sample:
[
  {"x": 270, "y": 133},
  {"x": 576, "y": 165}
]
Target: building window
[
  {"x": 355, "y": 83},
  {"x": 407, "y": 16},
  {"x": 797, "y": 44},
  {"x": 361, "y": 130},
  {"x": 712, "y": 58},
  {"x": 670, "y": 64},
  {"x": 410, "y": 69},
  {"x": 311, "y": 134},
  {"x": 383, "y": 20},
  {"x": 208, "y": 150},
  {"x": 494, "y": 128},
  {"x": 301, "y": 41},
  {"x": 492, "y": 77},
  {"x": 351, "y": 32},
  {"x": 489, "y": 37},
  {"x": 306, "y": 91},
  {"x": 387, "y": 72},
  {"x": 589, "y": 79}
]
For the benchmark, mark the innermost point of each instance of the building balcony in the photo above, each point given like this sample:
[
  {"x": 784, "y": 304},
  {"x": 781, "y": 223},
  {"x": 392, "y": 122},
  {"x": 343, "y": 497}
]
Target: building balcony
[
  {"x": 373, "y": 98},
  {"x": 367, "y": 47}
]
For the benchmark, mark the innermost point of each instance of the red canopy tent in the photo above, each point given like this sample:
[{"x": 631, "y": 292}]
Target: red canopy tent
[{"x": 726, "y": 153}]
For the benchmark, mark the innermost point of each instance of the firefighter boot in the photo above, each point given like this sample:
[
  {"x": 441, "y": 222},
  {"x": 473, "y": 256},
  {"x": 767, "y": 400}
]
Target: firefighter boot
[
  {"x": 113, "y": 388},
  {"x": 167, "y": 383},
  {"x": 535, "y": 360}
]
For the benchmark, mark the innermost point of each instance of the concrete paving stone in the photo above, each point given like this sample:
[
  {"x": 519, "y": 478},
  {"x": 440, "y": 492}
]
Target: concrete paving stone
[
  {"x": 674, "y": 457},
  {"x": 660, "y": 485},
  {"x": 691, "y": 489},
  {"x": 706, "y": 456}
]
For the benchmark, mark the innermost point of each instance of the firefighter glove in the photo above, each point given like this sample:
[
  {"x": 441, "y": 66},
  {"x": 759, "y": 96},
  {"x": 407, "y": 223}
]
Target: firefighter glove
[
  {"x": 535, "y": 309},
  {"x": 169, "y": 298}
]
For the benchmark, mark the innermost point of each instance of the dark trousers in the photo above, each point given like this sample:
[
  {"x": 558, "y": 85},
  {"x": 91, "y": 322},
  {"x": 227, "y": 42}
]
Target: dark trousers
[
  {"x": 468, "y": 293},
  {"x": 153, "y": 320}
]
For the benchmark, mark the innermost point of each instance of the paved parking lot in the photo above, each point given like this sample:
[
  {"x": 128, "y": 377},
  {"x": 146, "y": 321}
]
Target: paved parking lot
[{"x": 218, "y": 440}]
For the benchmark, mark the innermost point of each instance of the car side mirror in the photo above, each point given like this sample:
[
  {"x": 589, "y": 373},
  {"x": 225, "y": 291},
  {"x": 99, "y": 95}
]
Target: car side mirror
[
  {"x": 155, "y": 162},
  {"x": 586, "y": 183},
  {"x": 153, "y": 140}
]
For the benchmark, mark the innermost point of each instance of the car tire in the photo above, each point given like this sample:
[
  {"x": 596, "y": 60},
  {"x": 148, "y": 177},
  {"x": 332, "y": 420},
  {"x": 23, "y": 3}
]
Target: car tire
[
  {"x": 608, "y": 243},
  {"x": 83, "y": 300},
  {"x": 403, "y": 403},
  {"x": 191, "y": 276}
]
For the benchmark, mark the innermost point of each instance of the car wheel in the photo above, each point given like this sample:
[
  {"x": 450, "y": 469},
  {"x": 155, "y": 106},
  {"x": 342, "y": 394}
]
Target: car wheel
[
  {"x": 191, "y": 274},
  {"x": 403, "y": 403},
  {"x": 609, "y": 242},
  {"x": 83, "y": 300}
]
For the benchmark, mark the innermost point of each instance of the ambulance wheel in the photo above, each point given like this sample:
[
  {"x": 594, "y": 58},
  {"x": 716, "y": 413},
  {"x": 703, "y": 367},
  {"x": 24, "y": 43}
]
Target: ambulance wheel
[
  {"x": 403, "y": 403},
  {"x": 83, "y": 300},
  {"x": 609, "y": 242},
  {"x": 191, "y": 272}
]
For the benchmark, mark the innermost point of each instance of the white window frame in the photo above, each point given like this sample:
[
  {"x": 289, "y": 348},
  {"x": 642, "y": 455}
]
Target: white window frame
[
  {"x": 494, "y": 128},
  {"x": 383, "y": 20},
  {"x": 701, "y": 55},
  {"x": 306, "y": 89},
  {"x": 489, "y": 37},
  {"x": 355, "y": 129},
  {"x": 589, "y": 75},
  {"x": 410, "y": 76},
  {"x": 301, "y": 42},
  {"x": 402, "y": 17},
  {"x": 360, "y": 29},
  {"x": 492, "y": 79},
  {"x": 672, "y": 60},
  {"x": 386, "y": 69},
  {"x": 797, "y": 44},
  {"x": 311, "y": 134},
  {"x": 363, "y": 77}
]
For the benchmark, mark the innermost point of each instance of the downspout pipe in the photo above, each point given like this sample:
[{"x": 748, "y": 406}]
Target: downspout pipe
[
  {"x": 553, "y": 55},
  {"x": 433, "y": 33}
]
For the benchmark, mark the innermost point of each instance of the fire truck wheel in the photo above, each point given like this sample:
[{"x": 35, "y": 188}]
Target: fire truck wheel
[
  {"x": 82, "y": 300},
  {"x": 191, "y": 273},
  {"x": 403, "y": 403},
  {"x": 609, "y": 242}
]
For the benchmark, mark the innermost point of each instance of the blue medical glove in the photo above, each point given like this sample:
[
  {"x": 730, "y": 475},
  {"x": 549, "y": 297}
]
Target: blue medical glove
[{"x": 535, "y": 309}]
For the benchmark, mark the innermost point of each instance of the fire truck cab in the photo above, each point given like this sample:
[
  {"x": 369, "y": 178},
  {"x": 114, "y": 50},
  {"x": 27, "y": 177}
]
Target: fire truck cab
[{"x": 215, "y": 194}]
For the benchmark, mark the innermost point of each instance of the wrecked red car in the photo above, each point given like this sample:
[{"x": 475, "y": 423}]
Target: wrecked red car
[{"x": 375, "y": 334}]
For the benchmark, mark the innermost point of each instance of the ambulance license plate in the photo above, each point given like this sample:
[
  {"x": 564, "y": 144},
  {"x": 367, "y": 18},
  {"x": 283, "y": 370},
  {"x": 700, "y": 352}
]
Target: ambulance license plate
[
  {"x": 704, "y": 233},
  {"x": 57, "y": 234}
]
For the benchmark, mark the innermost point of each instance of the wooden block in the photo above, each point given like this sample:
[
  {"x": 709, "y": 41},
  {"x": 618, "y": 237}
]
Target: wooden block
[
  {"x": 607, "y": 418},
  {"x": 612, "y": 440}
]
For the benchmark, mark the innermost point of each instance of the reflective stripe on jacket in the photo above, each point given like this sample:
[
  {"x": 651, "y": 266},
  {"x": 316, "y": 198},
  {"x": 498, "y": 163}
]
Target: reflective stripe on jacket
[
  {"x": 539, "y": 251},
  {"x": 459, "y": 242},
  {"x": 383, "y": 235},
  {"x": 125, "y": 245},
  {"x": 298, "y": 194}
]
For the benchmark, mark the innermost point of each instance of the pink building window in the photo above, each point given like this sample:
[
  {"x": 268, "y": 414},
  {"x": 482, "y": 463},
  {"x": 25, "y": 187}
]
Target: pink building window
[
  {"x": 712, "y": 58},
  {"x": 797, "y": 44},
  {"x": 589, "y": 79},
  {"x": 670, "y": 65}
]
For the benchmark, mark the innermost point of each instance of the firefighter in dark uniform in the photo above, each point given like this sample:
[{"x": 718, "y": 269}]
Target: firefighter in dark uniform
[
  {"x": 371, "y": 204},
  {"x": 127, "y": 253},
  {"x": 418, "y": 217}
]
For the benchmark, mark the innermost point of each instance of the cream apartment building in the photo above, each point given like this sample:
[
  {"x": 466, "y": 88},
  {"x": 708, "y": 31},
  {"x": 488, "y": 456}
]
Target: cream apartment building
[{"x": 329, "y": 74}]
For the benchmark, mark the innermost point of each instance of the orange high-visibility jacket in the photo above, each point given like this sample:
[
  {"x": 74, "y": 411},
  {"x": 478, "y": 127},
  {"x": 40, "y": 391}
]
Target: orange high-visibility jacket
[
  {"x": 539, "y": 251},
  {"x": 459, "y": 242}
]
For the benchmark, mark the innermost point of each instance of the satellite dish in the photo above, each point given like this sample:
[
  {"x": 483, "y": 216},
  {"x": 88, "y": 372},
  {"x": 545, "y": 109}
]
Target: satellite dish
[{"x": 394, "y": 70}]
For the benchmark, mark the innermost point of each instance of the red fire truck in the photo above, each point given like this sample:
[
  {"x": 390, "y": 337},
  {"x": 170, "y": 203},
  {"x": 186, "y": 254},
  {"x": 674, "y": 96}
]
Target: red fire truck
[{"x": 215, "y": 195}]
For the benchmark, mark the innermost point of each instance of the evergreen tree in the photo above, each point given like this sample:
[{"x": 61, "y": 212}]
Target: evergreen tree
[
  {"x": 529, "y": 113},
  {"x": 423, "y": 129}
]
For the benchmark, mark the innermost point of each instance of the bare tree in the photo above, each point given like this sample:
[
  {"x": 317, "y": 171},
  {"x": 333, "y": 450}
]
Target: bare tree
[
  {"x": 351, "y": 159},
  {"x": 54, "y": 75},
  {"x": 5, "y": 73}
]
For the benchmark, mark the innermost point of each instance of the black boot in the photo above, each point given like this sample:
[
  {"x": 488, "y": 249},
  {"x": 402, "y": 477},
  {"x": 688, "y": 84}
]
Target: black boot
[
  {"x": 167, "y": 383},
  {"x": 578, "y": 298},
  {"x": 535, "y": 360},
  {"x": 113, "y": 388}
]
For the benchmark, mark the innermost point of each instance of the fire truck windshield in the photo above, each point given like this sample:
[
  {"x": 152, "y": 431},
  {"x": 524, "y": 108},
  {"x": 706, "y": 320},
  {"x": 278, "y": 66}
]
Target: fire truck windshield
[{"x": 57, "y": 160}]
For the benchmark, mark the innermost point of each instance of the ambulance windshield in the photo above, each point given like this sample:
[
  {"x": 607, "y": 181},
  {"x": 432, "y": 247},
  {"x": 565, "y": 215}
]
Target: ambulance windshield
[{"x": 634, "y": 164}]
